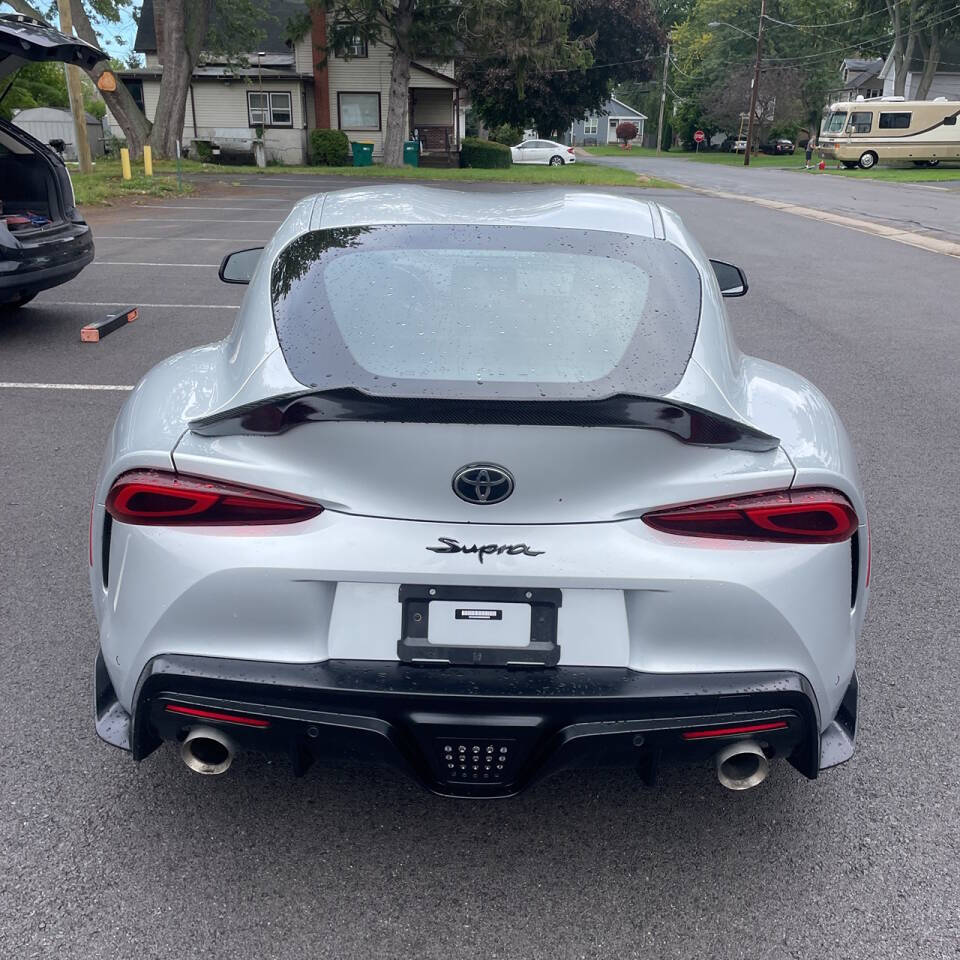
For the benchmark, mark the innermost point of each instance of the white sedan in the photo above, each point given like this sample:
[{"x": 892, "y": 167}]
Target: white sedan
[{"x": 542, "y": 151}]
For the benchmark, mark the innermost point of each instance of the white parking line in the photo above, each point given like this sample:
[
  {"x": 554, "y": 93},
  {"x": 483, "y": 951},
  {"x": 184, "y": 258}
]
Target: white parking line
[
  {"x": 11, "y": 385},
  {"x": 122, "y": 303},
  {"x": 101, "y": 236},
  {"x": 166, "y": 206},
  {"x": 141, "y": 263},
  {"x": 197, "y": 220}
]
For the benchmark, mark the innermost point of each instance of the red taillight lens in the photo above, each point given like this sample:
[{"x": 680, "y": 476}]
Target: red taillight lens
[
  {"x": 168, "y": 499},
  {"x": 709, "y": 734},
  {"x": 217, "y": 715},
  {"x": 788, "y": 516}
]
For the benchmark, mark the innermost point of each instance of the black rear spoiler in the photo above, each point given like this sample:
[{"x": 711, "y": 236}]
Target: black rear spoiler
[{"x": 687, "y": 423}]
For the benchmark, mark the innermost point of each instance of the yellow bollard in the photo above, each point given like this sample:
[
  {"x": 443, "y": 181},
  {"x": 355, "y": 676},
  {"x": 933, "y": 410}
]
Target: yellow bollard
[
  {"x": 148, "y": 161},
  {"x": 125, "y": 162}
]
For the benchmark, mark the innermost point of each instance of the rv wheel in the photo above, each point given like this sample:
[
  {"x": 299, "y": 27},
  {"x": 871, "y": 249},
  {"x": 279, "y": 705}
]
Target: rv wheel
[{"x": 868, "y": 160}]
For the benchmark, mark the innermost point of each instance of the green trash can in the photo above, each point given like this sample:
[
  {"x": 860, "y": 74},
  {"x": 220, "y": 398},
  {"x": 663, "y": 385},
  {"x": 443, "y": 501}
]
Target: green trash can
[
  {"x": 362, "y": 153},
  {"x": 411, "y": 152}
]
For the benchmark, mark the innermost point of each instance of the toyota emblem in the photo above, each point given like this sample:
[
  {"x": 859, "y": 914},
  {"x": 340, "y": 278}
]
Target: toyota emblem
[{"x": 482, "y": 483}]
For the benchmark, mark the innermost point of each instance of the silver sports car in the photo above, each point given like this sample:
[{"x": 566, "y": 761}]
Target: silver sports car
[{"x": 480, "y": 487}]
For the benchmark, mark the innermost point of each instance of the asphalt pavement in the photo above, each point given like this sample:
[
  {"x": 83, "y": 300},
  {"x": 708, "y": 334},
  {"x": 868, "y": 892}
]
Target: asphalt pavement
[
  {"x": 103, "y": 858},
  {"x": 932, "y": 209}
]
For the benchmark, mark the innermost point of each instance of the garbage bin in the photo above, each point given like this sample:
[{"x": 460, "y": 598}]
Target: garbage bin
[
  {"x": 362, "y": 153},
  {"x": 411, "y": 152}
]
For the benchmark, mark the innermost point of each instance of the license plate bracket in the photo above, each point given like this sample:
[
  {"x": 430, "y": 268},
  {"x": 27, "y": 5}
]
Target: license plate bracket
[{"x": 542, "y": 650}]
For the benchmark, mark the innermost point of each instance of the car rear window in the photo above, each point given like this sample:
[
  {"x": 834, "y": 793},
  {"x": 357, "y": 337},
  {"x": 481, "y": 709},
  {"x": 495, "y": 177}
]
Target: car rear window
[{"x": 485, "y": 311}]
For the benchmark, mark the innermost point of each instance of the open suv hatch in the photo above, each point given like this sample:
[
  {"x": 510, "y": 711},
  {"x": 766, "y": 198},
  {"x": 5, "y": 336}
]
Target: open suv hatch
[{"x": 43, "y": 239}]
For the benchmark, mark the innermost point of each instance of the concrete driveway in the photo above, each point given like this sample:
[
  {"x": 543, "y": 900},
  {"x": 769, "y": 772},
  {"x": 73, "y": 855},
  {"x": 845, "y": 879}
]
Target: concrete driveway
[{"x": 106, "y": 859}]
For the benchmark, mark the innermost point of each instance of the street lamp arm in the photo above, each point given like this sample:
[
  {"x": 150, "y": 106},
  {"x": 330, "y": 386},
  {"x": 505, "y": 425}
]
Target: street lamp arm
[{"x": 723, "y": 23}]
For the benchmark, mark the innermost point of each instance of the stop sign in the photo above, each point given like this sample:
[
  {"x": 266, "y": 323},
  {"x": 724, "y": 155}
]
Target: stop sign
[{"x": 699, "y": 137}]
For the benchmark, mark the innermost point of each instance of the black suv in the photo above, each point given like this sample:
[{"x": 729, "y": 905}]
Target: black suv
[{"x": 43, "y": 239}]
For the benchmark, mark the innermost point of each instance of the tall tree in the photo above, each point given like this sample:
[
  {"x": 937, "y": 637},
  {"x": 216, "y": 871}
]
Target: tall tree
[
  {"x": 608, "y": 42},
  {"x": 530, "y": 31},
  {"x": 184, "y": 29}
]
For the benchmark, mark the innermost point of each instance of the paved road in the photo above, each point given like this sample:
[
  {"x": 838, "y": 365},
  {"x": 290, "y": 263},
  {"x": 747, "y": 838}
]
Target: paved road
[
  {"x": 931, "y": 208},
  {"x": 105, "y": 859}
]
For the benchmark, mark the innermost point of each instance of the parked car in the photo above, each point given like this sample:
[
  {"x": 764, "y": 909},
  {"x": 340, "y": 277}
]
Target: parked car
[
  {"x": 781, "y": 146},
  {"x": 543, "y": 151},
  {"x": 739, "y": 145},
  {"x": 500, "y": 538},
  {"x": 43, "y": 239}
]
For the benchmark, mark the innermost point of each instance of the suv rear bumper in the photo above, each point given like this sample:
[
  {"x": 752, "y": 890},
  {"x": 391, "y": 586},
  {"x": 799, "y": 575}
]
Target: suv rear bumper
[
  {"x": 45, "y": 261},
  {"x": 413, "y": 718}
]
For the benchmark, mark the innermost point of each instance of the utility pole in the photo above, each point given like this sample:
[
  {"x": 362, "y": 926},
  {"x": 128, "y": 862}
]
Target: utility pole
[
  {"x": 76, "y": 94},
  {"x": 663, "y": 96},
  {"x": 756, "y": 84}
]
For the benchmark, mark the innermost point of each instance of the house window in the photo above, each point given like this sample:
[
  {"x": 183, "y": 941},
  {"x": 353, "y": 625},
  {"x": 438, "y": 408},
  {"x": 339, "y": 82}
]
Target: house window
[
  {"x": 590, "y": 127},
  {"x": 358, "y": 111},
  {"x": 136, "y": 91},
  {"x": 894, "y": 121},
  {"x": 354, "y": 47},
  {"x": 269, "y": 109}
]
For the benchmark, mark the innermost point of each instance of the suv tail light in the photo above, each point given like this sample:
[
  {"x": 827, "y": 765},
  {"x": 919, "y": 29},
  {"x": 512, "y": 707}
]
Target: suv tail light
[
  {"x": 787, "y": 516},
  {"x": 570, "y": 150},
  {"x": 158, "y": 498}
]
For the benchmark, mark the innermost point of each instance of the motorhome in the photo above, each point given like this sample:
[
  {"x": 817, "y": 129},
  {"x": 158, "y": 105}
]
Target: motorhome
[{"x": 863, "y": 132}]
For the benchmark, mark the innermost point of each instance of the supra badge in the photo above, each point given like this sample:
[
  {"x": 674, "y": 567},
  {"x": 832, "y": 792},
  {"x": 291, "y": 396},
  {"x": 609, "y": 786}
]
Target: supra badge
[
  {"x": 482, "y": 483},
  {"x": 486, "y": 550}
]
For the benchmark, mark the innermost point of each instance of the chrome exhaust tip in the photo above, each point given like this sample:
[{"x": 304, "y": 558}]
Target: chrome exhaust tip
[
  {"x": 207, "y": 751},
  {"x": 742, "y": 765}
]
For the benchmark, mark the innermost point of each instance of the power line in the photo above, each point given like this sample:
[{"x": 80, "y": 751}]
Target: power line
[
  {"x": 836, "y": 23},
  {"x": 933, "y": 21}
]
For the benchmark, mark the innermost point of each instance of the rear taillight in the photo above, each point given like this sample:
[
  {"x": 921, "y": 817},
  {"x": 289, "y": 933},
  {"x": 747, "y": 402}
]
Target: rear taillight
[
  {"x": 570, "y": 150},
  {"x": 788, "y": 516},
  {"x": 167, "y": 499}
]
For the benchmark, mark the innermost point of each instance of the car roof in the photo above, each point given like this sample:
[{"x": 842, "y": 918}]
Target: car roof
[
  {"x": 411, "y": 203},
  {"x": 25, "y": 38}
]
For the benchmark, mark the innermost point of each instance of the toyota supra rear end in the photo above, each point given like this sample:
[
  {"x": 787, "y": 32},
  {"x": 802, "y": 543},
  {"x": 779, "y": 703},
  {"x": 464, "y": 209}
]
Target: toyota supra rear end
[{"x": 480, "y": 487}]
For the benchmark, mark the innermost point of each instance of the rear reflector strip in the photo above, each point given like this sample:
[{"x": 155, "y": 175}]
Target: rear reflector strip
[
  {"x": 216, "y": 715},
  {"x": 733, "y": 731}
]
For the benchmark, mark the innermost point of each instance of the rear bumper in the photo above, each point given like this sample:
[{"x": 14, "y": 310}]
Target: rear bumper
[
  {"x": 44, "y": 262},
  {"x": 529, "y": 722}
]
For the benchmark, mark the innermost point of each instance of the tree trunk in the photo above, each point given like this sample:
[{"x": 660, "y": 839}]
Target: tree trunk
[
  {"x": 181, "y": 27},
  {"x": 135, "y": 126},
  {"x": 931, "y": 60},
  {"x": 401, "y": 23},
  {"x": 133, "y": 123}
]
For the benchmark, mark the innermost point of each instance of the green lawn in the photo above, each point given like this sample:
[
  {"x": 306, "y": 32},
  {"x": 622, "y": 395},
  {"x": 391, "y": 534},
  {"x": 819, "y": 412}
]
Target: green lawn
[
  {"x": 106, "y": 184},
  {"x": 705, "y": 156},
  {"x": 578, "y": 173},
  {"x": 906, "y": 174}
]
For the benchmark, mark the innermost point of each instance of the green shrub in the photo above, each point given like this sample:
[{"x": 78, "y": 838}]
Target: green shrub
[
  {"x": 507, "y": 134},
  {"x": 204, "y": 150},
  {"x": 484, "y": 154},
  {"x": 329, "y": 148}
]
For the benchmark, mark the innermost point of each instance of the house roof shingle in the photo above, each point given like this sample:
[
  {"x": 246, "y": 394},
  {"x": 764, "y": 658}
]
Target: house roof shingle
[{"x": 276, "y": 15}]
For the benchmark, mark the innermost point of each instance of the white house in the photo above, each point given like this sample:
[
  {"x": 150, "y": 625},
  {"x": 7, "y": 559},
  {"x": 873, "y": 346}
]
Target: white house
[
  {"x": 600, "y": 127},
  {"x": 946, "y": 81},
  {"x": 292, "y": 89}
]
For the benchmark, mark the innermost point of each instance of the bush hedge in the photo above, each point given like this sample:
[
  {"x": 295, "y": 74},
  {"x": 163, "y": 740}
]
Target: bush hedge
[
  {"x": 329, "y": 148},
  {"x": 484, "y": 153}
]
